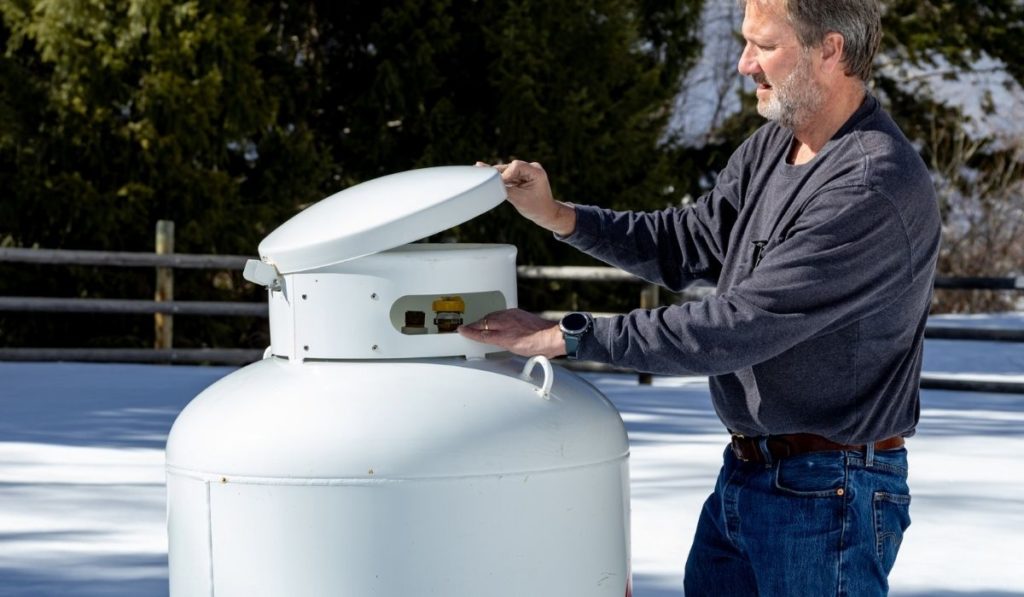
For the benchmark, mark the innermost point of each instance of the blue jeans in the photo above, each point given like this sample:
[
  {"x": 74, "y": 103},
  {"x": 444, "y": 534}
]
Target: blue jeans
[{"x": 824, "y": 523}]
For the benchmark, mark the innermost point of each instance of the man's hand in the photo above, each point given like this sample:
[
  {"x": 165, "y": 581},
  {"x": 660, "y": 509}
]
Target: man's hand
[
  {"x": 530, "y": 193},
  {"x": 517, "y": 331}
]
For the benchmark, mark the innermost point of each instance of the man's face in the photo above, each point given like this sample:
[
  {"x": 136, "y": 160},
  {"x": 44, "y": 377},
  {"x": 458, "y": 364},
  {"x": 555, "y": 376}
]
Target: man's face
[{"x": 787, "y": 90}]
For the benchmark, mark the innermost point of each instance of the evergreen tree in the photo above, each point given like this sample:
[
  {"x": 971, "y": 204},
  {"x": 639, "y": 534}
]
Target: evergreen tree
[{"x": 118, "y": 114}]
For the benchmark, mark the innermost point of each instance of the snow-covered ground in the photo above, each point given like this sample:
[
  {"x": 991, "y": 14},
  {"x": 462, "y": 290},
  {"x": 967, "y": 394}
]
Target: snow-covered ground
[{"x": 82, "y": 494}]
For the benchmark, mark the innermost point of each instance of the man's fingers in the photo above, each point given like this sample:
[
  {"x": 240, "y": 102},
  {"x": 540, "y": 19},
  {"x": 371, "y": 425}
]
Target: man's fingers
[
  {"x": 499, "y": 167},
  {"x": 482, "y": 335},
  {"x": 484, "y": 324},
  {"x": 468, "y": 331},
  {"x": 517, "y": 168},
  {"x": 494, "y": 320}
]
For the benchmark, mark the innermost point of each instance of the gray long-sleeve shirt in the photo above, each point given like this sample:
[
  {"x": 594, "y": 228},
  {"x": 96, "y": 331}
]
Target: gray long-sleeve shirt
[{"x": 824, "y": 274}]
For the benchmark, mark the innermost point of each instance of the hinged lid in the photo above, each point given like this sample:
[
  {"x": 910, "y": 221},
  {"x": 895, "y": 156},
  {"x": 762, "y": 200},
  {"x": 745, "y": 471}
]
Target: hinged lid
[{"x": 381, "y": 214}]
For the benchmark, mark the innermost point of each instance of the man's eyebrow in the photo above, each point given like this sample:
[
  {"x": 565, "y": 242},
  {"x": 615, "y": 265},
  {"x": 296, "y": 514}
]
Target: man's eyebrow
[{"x": 759, "y": 40}]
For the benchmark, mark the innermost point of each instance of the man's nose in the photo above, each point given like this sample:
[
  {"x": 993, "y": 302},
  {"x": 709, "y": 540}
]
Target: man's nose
[{"x": 748, "y": 65}]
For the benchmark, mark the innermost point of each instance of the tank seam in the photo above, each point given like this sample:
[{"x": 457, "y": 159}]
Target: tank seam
[
  {"x": 209, "y": 535},
  {"x": 361, "y": 481}
]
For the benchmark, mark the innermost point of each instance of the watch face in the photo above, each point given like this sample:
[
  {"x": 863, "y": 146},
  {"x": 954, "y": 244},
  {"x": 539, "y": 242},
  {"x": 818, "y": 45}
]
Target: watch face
[{"x": 574, "y": 323}]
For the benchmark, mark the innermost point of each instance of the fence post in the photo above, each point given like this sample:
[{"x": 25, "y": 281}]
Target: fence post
[
  {"x": 649, "y": 299},
  {"x": 163, "y": 323}
]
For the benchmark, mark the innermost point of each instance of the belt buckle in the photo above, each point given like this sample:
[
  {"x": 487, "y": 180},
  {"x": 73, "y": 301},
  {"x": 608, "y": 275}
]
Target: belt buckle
[{"x": 734, "y": 443}]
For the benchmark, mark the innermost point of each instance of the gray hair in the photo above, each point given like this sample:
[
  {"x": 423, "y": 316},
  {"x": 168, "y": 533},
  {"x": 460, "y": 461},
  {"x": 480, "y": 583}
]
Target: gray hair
[{"x": 858, "y": 21}]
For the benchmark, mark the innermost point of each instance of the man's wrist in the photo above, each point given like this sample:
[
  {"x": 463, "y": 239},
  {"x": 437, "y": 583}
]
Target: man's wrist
[
  {"x": 564, "y": 221},
  {"x": 557, "y": 342}
]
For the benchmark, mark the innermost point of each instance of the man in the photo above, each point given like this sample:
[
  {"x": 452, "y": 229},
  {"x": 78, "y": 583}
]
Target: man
[{"x": 822, "y": 235}]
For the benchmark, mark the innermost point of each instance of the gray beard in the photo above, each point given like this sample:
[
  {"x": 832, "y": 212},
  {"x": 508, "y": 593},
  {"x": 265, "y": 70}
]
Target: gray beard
[{"x": 793, "y": 100}]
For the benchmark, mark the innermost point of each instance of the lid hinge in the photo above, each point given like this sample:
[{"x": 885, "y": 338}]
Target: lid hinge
[{"x": 263, "y": 274}]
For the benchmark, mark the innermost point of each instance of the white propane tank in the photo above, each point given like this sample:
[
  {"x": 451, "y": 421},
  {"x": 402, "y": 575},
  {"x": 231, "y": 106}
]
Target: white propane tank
[{"x": 366, "y": 455}]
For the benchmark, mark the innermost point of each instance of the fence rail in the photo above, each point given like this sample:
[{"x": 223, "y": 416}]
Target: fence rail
[
  {"x": 1009, "y": 283},
  {"x": 526, "y": 272},
  {"x": 169, "y": 307},
  {"x": 131, "y": 306},
  {"x": 121, "y": 259},
  {"x": 227, "y": 356}
]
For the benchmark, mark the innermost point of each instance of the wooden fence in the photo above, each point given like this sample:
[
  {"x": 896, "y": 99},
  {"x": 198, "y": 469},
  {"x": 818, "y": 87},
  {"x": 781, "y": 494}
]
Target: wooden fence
[{"x": 164, "y": 307}]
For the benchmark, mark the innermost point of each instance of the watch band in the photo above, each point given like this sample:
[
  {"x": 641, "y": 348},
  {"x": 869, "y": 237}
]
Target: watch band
[{"x": 572, "y": 346}]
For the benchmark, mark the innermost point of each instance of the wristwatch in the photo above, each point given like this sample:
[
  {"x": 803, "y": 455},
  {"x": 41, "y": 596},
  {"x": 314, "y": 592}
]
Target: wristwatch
[{"x": 573, "y": 326}]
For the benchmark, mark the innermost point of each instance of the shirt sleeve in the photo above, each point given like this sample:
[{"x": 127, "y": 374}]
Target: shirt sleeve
[
  {"x": 672, "y": 247},
  {"x": 846, "y": 257}
]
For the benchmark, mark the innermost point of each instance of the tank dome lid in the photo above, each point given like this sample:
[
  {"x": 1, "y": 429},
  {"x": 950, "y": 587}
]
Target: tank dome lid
[{"x": 382, "y": 214}]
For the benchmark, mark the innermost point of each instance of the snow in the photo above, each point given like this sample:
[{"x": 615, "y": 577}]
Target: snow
[
  {"x": 82, "y": 500},
  {"x": 989, "y": 98}
]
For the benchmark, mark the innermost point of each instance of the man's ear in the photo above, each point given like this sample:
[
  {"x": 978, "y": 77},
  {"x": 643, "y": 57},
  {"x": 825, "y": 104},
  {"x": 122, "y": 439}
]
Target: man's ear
[{"x": 832, "y": 47}]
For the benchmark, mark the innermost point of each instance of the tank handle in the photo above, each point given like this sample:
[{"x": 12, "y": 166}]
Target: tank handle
[{"x": 549, "y": 374}]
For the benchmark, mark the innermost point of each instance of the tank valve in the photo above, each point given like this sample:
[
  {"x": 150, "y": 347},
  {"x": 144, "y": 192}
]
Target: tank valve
[
  {"x": 449, "y": 310},
  {"x": 415, "y": 323}
]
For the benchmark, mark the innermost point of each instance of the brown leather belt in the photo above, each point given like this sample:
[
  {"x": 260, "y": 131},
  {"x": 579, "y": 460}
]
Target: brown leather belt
[{"x": 748, "y": 449}]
